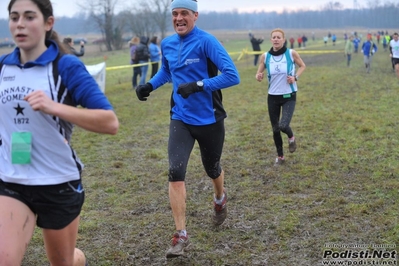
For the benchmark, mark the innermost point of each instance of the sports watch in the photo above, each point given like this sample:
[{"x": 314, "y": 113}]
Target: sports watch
[{"x": 200, "y": 84}]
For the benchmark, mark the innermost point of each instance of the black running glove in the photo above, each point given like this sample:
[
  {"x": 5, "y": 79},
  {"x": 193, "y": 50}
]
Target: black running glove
[
  {"x": 143, "y": 91},
  {"x": 186, "y": 89}
]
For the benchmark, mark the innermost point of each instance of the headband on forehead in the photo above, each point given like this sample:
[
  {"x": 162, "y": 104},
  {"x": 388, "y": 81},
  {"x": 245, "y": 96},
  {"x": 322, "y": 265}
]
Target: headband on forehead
[{"x": 187, "y": 4}]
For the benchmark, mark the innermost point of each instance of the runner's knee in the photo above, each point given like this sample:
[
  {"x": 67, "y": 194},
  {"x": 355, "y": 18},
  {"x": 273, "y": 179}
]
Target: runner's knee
[
  {"x": 214, "y": 172},
  {"x": 176, "y": 174}
]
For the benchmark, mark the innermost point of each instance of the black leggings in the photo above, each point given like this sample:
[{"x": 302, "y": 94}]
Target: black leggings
[
  {"x": 182, "y": 137},
  {"x": 154, "y": 68},
  {"x": 136, "y": 73},
  {"x": 276, "y": 103}
]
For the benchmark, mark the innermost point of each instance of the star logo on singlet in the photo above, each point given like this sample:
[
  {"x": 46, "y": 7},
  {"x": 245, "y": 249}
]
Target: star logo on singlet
[{"x": 20, "y": 110}]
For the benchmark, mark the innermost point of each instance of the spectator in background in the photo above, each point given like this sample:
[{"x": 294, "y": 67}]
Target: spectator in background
[
  {"x": 155, "y": 55},
  {"x": 349, "y": 50},
  {"x": 356, "y": 42},
  {"x": 133, "y": 43},
  {"x": 304, "y": 40},
  {"x": 334, "y": 39},
  {"x": 256, "y": 47},
  {"x": 68, "y": 42},
  {"x": 299, "y": 40},
  {"x": 142, "y": 56},
  {"x": 384, "y": 43},
  {"x": 368, "y": 49},
  {"x": 325, "y": 39},
  {"x": 292, "y": 42},
  {"x": 387, "y": 38}
]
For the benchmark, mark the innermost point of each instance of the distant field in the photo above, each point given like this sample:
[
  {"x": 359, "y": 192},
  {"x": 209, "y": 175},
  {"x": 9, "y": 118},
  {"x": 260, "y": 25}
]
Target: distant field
[{"x": 340, "y": 187}]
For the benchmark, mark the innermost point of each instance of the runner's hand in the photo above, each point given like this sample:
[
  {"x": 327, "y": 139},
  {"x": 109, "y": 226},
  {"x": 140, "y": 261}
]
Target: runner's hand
[
  {"x": 186, "y": 89},
  {"x": 143, "y": 91}
]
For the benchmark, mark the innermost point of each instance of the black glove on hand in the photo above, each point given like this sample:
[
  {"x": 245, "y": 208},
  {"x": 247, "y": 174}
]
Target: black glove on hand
[
  {"x": 143, "y": 91},
  {"x": 186, "y": 89}
]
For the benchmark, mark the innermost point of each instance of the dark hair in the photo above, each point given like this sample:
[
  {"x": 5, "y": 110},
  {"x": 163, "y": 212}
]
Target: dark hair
[
  {"x": 47, "y": 10},
  {"x": 67, "y": 40},
  {"x": 66, "y": 46},
  {"x": 154, "y": 40}
]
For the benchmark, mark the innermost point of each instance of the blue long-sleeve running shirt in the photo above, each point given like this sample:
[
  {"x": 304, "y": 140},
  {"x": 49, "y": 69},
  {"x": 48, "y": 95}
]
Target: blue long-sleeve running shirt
[
  {"x": 190, "y": 58},
  {"x": 369, "y": 48}
]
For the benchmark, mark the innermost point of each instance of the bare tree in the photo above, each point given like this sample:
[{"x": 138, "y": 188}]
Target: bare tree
[
  {"x": 333, "y": 6},
  {"x": 148, "y": 18},
  {"x": 373, "y": 3},
  {"x": 160, "y": 10},
  {"x": 140, "y": 22},
  {"x": 102, "y": 13}
]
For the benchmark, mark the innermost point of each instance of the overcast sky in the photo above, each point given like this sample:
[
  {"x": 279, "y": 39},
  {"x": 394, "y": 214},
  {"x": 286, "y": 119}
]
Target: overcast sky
[{"x": 69, "y": 7}]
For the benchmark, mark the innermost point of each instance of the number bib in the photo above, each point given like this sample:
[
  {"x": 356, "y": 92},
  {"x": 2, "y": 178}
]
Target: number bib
[{"x": 21, "y": 147}]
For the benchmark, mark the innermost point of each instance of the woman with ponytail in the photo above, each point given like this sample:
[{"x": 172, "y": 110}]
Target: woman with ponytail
[{"x": 41, "y": 89}]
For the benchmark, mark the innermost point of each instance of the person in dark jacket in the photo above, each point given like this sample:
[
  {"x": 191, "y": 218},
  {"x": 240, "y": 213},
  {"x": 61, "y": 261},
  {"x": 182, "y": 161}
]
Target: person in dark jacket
[
  {"x": 68, "y": 42},
  {"x": 133, "y": 43},
  {"x": 143, "y": 55},
  {"x": 256, "y": 47}
]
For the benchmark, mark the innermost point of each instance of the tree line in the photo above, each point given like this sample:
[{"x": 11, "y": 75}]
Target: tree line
[{"x": 153, "y": 17}]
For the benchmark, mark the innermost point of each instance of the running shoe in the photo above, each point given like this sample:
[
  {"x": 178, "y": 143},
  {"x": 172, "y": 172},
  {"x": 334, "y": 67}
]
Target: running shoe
[
  {"x": 291, "y": 144},
  {"x": 220, "y": 211},
  {"x": 179, "y": 244},
  {"x": 279, "y": 161}
]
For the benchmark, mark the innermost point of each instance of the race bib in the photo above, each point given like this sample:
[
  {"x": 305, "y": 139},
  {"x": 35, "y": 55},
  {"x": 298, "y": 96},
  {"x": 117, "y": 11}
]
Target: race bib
[{"x": 21, "y": 147}]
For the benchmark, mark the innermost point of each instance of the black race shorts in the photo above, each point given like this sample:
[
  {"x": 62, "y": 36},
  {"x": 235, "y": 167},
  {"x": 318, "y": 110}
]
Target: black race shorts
[{"x": 55, "y": 206}]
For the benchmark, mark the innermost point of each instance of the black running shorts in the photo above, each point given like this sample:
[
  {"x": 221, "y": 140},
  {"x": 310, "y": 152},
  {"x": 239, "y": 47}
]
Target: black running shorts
[{"x": 55, "y": 206}]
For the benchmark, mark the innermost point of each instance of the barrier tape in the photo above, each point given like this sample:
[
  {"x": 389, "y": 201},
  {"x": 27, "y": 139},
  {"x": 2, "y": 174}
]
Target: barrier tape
[{"x": 240, "y": 56}]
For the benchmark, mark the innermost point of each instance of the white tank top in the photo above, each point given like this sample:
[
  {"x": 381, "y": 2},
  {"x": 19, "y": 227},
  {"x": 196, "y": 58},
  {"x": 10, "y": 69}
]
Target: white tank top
[
  {"x": 278, "y": 68},
  {"x": 53, "y": 161}
]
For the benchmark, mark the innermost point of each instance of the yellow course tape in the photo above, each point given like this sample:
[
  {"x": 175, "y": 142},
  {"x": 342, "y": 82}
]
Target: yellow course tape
[
  {"x": 127, "y": 66},
  {"x": 240, "y": 56}
]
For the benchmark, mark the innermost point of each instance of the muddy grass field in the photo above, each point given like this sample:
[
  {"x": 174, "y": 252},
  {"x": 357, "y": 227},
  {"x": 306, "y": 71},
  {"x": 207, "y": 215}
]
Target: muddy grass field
[{"x": 337, "y": 192}]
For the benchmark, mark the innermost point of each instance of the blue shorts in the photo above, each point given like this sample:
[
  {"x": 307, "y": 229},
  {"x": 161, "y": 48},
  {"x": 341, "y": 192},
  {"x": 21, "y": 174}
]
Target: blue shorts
[{"x": 55, "y": 206}]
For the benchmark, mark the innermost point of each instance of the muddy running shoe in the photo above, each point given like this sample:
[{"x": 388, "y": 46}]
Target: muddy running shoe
[
  {"x": 279, "y": 161},
  {"x": 220, "y": 210},
  {"x": 179, "y": 244},
  {"x": 291, "y": 144}
]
